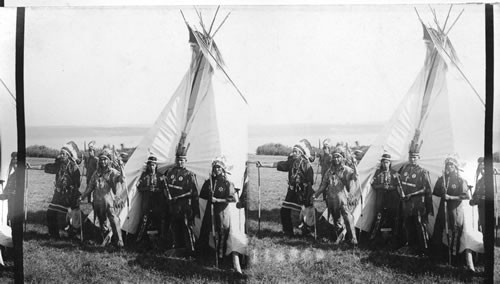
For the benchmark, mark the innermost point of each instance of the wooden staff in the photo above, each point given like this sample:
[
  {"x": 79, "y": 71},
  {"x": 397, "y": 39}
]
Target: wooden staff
[
  {"x": 213, "y": 223},
  {"x": 258, "y": 188},
  {"x": 1, "y": 213},
  {"x": 25, "y": 203},
  {"x": 445, "y": 204},
  {"x": 496, "y": 203},
  {"x": 314, "y": 216}
]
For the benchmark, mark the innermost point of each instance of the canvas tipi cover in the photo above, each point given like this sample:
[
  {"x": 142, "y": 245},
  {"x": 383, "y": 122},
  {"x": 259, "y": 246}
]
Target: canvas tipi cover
[
  {"x": 8, "y": 144},
  {"x": 212, "y": 113},
  {"x": 449, "y": 114},
  {"x": 8, "y": 126}
]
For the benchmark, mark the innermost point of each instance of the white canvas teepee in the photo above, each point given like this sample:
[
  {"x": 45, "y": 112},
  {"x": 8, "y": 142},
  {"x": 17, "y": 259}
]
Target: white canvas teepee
[
  {"x": 448, "y": 112},
  {"x": 209, "y": 108},
  {"x": 8, "y": 126},
  {"x": 8, "y": 144}
]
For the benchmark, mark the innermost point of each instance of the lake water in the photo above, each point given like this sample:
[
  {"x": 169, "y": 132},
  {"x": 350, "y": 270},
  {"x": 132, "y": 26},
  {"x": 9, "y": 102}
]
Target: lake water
[{"x": 55, "y": 137}]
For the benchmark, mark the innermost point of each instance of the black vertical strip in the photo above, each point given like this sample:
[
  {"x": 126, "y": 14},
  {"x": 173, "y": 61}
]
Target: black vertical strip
[
  {"x": 2, "y": 3},
  {"x": 488, "y": 237},
  {"x": 17, "y": 222}
]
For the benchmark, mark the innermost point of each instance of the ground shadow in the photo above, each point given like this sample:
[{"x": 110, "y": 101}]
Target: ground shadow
[
  {"x": 271, "y": 216},
  {"x": 37, "y": 217},
  {"x": 419, "y": 265},
  {"x": 187, "y": 268}
]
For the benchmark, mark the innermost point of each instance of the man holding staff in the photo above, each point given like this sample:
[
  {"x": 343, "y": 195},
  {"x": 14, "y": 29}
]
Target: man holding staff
[
  {"x": 300, "y": 181},
  {"x": 452, "y": 189},
  {"x": 417, "y": 203},
  {"x": 218, "y": 191},
  {"x": 182, "y": 197},
  {"x": 67, "y": 184}
]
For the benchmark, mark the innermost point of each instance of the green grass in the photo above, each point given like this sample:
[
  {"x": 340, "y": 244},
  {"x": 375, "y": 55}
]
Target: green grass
[
  {"x": 279, "y": 259},
  {"x": 273, "y": 258},
  {"x": 70, "y": 261}
]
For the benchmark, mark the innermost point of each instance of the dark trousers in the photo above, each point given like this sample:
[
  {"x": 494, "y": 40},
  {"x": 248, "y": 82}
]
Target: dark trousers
[
  {"x": 480, "y": 210},
  {"x": 52, "y": 223},
  {"x": 286, "y": 220},
  {"x": 416, "y": 232},
  {"x": 299, "y": 198},
  {"x": 182, "y": 233}
]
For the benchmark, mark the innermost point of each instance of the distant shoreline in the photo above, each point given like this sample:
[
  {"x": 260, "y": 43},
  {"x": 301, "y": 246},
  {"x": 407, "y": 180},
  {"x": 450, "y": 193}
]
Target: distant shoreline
[{"x": 286, "y": 134}]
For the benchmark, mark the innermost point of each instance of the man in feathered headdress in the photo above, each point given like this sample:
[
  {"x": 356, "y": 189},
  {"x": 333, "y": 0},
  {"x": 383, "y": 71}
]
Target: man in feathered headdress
[
  {"x": 182, "y": 194},
  {"x": 300, "y": 181},
  {"x": 417, "y": 203},
  {"x": 337, "y": 183},
  {"x": 452, "y": 189},
  {"x": 218, "y": 191},
  {"x": 67, "y": 184},
  {"x": 106, "y": 186}
]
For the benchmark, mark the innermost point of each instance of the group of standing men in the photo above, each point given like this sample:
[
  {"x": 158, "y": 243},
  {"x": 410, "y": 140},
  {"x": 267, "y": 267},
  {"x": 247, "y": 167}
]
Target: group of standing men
[
  {"x": 169, "y": 200},
  {"x": 105, "y": 181},
  {"x": 337, "y": 180},
  {"x": 403, "y": 201}
]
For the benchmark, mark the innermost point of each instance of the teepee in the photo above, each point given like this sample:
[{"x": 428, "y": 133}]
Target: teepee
[
  {"x": 8, "y": 124},
  {"x": 210, "y": 113},
  {"x": 448, "y": 114},
  {"x": 8, "y": 144}
]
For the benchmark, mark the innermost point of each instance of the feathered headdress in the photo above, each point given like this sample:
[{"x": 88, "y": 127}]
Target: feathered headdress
[
  {"x": 222, "y": 162},
  {"x": 305, "y": 147},
  {"x": 415, "y": 144},
  {"x": 181, "y": 150},
  {"x": 71, "y": 149}
]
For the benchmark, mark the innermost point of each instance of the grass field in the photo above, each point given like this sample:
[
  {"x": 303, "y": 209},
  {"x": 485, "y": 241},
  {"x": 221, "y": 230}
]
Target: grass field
[
  {"x": 276, "y": 258},
  {"x": 70, "y": 261},
  {"x": 273, "y": 258}
]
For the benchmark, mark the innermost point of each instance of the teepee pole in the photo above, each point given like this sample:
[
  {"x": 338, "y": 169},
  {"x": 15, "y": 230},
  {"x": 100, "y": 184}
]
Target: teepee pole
[
  {"x": 447, "y": 16},
  {"x": 12, "y": 95},
  {"x": 220, "y": 25},
  {"x": 213, "y": 20},
  {"x": 201, "y": 21},
  {"x": 185, "y": 21},
  {"x": 435, "y": 17},
  {"x": 454, "y": 22}
]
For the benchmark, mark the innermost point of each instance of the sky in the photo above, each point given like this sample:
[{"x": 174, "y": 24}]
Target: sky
[{"x": 316, "y": 64}]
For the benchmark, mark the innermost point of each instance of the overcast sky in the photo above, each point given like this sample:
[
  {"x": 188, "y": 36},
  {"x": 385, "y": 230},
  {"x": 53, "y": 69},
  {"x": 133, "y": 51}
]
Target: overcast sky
[{"x": 295, "y": 64}]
